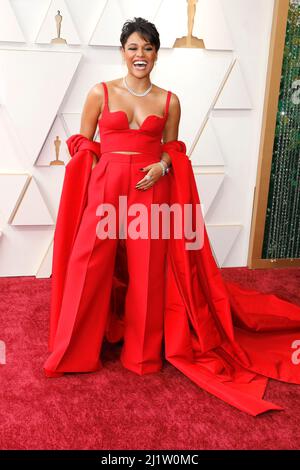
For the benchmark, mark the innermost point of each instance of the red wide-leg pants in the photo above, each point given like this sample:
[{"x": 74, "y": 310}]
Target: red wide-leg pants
[{"x": 87, "y": 290}]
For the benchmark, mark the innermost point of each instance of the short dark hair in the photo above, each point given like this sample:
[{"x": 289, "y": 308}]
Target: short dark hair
[{"x": 144, "y": 27}]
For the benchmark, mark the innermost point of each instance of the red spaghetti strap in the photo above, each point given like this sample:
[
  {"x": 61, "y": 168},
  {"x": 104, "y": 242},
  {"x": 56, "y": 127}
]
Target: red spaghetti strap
[
  {"x": 168, "y": 102},
  {"x": 105, "y": 95}
]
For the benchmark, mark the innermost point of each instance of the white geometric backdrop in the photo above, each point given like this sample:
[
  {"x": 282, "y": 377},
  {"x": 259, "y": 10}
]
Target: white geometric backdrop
[{"x": 43, "y": 87}]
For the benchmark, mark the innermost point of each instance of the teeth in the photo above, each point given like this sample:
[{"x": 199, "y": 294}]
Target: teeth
[{"x": 139, "y": 63}]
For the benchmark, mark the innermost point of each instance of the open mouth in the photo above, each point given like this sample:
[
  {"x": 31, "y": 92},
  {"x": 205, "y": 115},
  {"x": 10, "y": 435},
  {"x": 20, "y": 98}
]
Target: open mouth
[{"x": 140, "y": 64}]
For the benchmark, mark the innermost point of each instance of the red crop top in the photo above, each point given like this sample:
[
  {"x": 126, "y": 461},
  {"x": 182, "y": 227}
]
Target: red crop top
[{"x": 115, "y": 133}]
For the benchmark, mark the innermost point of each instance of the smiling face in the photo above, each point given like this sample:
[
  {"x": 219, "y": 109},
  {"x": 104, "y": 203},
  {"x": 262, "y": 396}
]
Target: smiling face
[{"x": 139, "y": 55}]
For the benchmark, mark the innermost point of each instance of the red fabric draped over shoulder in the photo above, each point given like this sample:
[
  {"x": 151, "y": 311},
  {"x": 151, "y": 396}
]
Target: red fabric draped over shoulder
[{"x": 226, "y": 339}]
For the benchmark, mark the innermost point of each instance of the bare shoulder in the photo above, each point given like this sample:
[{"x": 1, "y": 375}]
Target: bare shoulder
[
  {"x": 114, "y": 84},
  {"x": 94, "y": 99},
  {"x": 174, "y": 101},
  {"x": 174, "y": 105},
  {"x": 96, "y": 90}
]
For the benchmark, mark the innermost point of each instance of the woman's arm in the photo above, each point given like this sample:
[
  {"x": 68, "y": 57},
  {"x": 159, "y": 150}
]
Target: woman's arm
[
  {"x": 90, "y": 114},
  {"x": 172, "y": 125}
]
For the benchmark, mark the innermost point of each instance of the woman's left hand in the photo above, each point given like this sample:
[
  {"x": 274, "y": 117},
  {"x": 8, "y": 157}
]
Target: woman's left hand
[{"x": 155, "y": 171}]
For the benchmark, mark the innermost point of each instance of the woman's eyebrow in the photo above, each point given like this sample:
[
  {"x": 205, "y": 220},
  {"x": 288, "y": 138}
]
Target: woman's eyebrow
[{"x": 135, "y": 44}]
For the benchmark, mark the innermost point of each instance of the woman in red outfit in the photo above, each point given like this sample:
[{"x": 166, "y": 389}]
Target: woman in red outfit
[
  {"x": 227, "y": 339},
  {"x": 133, "y": 116}
]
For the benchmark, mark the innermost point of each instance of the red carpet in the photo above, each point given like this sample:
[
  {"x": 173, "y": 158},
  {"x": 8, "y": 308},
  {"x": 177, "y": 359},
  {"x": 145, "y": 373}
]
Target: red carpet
[{"x": 117, "y": 409}]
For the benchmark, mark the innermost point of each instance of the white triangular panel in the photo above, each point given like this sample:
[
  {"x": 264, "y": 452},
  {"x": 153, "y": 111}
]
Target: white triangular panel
[
  {"x": 11, "y": 150},
  {"x": 207, "y": 150},
  {"x": 222, "y": 239},
  {"x": 32, "y": 210},
  {"x": 50, "y": 180},
  {"x": 38, "y": 69},
  {"x": 12, "y": 189},
  {"x": 178, "y": 26},
  {"x": 48, "y": 155},
  {"x": 208, "y": 185},
  {"x": 21, "y": 248},
  {"x": 10, "y": 30},
  {"x": 196, "y": 105},
  {"x": 48, "y": 29},
  {"x": 114, "y": 15},
  {"x": 234, "y": 94},
  {"x": 212, "y": 25},
  {"x": 71, "y": 122},
  {"x": 209, "y": 23},
  {"x": 45, "y": 268}
]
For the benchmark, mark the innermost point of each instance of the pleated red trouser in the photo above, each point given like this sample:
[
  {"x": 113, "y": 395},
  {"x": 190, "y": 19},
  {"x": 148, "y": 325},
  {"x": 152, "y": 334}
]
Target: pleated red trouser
[{"x": 87, "y": 290}]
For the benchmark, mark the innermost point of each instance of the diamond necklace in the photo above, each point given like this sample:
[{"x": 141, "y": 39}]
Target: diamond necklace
[{"x": 134, "y": 92}]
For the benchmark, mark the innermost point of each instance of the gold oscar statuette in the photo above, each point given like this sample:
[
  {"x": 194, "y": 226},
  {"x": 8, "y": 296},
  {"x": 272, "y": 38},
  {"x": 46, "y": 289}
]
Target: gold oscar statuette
[
  {"x": 190, "y": 40},
  {"x": 57, "y": 143},
  {"x": 58, "y": 40}
]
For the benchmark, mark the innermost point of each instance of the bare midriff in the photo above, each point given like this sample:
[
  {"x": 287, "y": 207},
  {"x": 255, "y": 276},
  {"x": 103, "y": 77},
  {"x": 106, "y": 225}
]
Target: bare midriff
[{"x": 117, "y": 151}]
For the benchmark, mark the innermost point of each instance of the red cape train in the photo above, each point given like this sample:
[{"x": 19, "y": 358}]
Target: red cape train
[{"x": 226, "y": 339}]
